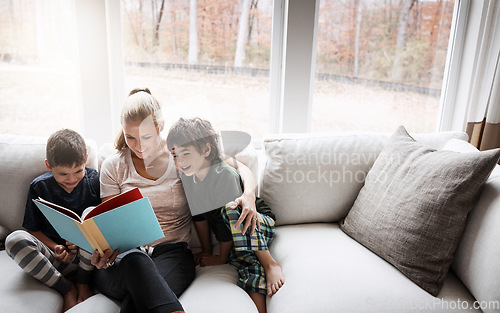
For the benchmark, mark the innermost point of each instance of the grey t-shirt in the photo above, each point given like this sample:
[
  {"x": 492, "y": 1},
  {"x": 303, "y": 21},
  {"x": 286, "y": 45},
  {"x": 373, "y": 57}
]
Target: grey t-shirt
[{"x": 222, "y": 185}]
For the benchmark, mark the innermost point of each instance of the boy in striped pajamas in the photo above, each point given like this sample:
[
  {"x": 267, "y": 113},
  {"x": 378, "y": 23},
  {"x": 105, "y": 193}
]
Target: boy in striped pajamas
[
  {"x": 38, "y": 249},
  {"x": 210, "y": 186}
]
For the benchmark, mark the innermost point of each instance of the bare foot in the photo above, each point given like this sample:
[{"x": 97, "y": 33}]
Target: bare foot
[
  {"x": 84, "y": 292},
  {"x": 274, "y": 278},
  {"x": 70, "y": 299}
]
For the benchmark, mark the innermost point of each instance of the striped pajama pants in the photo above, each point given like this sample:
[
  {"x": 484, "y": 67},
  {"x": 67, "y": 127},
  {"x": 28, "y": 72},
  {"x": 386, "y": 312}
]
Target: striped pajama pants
[
  {"x": 252, "y": 276},
  {"x": 39, "y": 261}
]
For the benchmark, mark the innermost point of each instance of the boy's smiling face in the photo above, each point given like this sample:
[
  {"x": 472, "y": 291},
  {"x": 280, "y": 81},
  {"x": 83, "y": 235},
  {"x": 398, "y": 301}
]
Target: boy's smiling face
[
  {"x": 191, "y": 162},
  {"x": 67, "y": 177}
]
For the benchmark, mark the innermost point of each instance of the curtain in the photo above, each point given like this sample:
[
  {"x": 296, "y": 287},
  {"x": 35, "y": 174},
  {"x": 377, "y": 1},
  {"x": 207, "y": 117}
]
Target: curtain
[
  {"x": 483, "y": 125},
  {"x": 485, "y": 134}
]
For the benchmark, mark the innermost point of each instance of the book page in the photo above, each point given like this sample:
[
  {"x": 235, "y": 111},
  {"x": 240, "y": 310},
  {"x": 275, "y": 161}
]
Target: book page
[
  {"x": 113, "y": 203},
  {"x": 87, "y": 211},
  {"x": 60, "y": 209}
]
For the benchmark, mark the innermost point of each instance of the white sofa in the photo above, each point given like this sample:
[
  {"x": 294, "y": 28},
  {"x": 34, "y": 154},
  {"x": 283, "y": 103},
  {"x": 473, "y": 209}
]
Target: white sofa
[{"x": 325, "y": 270}]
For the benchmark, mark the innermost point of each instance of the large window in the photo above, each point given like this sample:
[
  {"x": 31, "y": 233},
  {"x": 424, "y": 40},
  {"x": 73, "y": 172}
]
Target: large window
[
  {"x": 252, "y": 65},
  {"x": 206, "y": 58},
  {"x": 38, "y": 76},
  {"x": 380, "y": 64}
]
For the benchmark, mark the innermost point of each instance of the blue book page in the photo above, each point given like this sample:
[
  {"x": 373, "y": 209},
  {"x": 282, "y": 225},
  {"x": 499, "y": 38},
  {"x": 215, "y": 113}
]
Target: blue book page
[
  {"x": 65, "y": 226},
  {"x": 129, "y": 226}
]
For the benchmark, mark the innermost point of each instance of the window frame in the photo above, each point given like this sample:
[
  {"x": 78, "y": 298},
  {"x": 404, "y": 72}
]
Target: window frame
[
  {"x": 291, "y": 71},
  {"x": 471, "y": 72}
]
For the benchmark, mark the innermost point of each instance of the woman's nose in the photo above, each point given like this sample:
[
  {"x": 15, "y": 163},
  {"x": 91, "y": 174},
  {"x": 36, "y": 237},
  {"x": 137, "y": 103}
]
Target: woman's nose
[{"x": 138, "y": 145}]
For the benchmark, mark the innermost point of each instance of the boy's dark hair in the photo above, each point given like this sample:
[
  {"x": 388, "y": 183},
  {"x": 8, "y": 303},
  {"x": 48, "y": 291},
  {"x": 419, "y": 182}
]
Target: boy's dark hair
[
  {"x": 66, "y": 148},
  {"x": 194, "y": 132}
]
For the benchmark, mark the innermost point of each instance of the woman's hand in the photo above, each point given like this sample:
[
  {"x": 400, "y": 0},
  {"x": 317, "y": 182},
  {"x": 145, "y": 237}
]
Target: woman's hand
[
  {"x": 247, "y": 200},
  {"x": 248, "y": 212},
  {"x": 62, "y": 254},
  {"x": 104, "y": 261}
]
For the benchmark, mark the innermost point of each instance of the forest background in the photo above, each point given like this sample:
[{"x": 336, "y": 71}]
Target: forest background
[
  {"x": 400, "y": 41},
  {"x": 388, "y": 55}
]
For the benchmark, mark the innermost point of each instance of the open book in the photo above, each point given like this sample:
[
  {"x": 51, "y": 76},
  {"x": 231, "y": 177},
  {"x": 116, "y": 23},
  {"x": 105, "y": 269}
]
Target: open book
[{"x": 122, "y": 222}]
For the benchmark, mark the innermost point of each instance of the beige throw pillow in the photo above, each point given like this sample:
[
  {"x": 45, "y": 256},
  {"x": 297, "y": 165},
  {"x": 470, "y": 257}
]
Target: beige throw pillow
[{"x": 414, "y": 204}]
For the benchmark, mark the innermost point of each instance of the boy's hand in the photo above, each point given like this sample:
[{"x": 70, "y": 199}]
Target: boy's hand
[
  {"x": 211, "y": 260},
  {"x": 72, "y": 247},
  {"x": 62, "y": 254},
  {"x": 199, "y": 256}
]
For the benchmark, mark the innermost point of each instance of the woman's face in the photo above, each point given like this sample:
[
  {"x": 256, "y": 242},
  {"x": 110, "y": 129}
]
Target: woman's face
[{"x": 142, "y": 137}]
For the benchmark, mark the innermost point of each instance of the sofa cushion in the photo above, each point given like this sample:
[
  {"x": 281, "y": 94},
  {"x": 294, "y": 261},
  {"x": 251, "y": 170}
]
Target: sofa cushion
[
  {"x": 98, "y": 303},
  {"x": 316, "y": 177},
  {"x": 23, "y": 160},
  {"x": 413, "y": 206},
  {"x": 327, "y": 271},
  {"x": 215, "y": 290},
  {"x": 21, "y": 293},
  {"x": 477, "y": 257}
]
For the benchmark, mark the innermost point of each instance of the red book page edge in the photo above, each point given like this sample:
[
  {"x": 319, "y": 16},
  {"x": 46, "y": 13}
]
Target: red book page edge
[
  {"x": 60, "y": 209},
  {"x": 115, "y": 202}
]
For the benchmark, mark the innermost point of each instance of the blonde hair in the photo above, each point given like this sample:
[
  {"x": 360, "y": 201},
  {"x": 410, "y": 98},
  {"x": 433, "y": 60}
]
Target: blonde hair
[{"x": 139, "y": 105}]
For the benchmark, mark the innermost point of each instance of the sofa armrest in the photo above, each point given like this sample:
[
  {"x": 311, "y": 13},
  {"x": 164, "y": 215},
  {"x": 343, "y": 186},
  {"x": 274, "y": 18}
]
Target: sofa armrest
[{"x": 476, "y": 260}]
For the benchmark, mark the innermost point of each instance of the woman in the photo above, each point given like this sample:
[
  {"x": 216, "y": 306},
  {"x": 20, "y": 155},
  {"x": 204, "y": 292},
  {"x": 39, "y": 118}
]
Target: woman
[{"x": 151, "y": 278}]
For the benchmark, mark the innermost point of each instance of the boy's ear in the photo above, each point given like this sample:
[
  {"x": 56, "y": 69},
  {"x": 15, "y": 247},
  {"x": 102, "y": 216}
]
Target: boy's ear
[
  {"x": 207, "y": 150},
  {"x": 86, "y": 159},
  {"x": 47, "y": 165}
]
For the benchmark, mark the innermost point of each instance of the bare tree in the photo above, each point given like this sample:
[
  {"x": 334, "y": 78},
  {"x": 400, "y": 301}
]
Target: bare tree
[
  {"x": 173, "y": 20},
  {"x": 251, "y": 18},
  {"x": 157, "y": 19},
  {"x": 404, "y": 15},
  {"x": 239, "y": 56},
  {"x": 12, "y": 28},
  {"x": 142, "y": 33},
  {"x": 359, "y": 17},
  {"x": 193, "y": 32}
]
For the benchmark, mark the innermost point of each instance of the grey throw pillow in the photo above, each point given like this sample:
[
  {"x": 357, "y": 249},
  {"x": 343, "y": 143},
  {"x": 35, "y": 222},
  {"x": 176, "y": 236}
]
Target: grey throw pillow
[{"x": 413, "y": 207}]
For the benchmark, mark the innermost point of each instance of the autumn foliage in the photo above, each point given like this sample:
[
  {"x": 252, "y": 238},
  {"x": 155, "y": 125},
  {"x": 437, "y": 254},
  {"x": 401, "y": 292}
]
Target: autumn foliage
[
  {"x": 398, "y": 41},
  {"x": 402, "y": 41}
]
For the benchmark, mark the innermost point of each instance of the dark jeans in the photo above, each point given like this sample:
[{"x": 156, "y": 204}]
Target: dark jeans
[{"x": 148, "y": 284}]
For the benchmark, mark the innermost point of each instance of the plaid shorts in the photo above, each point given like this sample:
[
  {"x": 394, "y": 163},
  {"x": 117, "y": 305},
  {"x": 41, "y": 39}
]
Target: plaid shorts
[{"x": 252, "y": 276}]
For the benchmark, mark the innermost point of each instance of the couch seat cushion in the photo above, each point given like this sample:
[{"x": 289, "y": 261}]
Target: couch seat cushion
[
  {"x": 98, "y": 303},
  {"x": 215, "y": 290},
  {"x": 327, "y": 271},
  {"x": 19, "y": 291}
]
